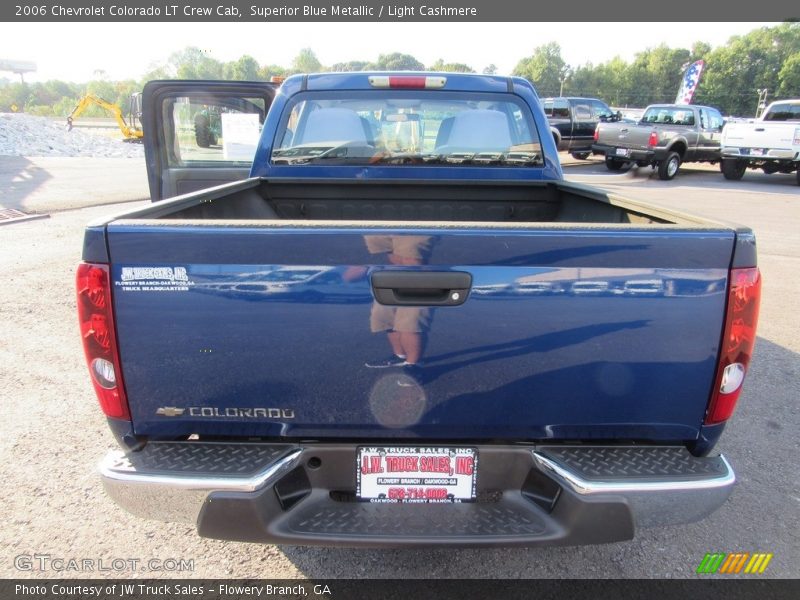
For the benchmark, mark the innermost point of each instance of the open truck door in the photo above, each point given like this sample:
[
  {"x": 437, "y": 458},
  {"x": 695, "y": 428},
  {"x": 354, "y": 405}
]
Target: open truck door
[{"x": 199, "y": 134}]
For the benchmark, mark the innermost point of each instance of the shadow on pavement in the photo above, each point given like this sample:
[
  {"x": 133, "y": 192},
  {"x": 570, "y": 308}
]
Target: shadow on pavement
[{"x": 19, "y": 178}]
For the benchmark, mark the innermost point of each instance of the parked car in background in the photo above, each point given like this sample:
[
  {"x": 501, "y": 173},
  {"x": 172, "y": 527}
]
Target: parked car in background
[
  {"x": 573, "y": 121},
  {"x": 772, "y": 143},
  {"x": 666, "y": 136}
]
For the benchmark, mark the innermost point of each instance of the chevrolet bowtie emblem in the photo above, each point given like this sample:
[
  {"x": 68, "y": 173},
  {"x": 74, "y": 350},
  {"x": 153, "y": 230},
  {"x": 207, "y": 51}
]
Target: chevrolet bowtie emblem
[{"x": 170, "y": 411}]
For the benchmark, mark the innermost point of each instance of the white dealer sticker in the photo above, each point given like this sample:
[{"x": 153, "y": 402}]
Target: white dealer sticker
[
  {"x": 154, "y": 279},
  {"x": 416, "y": 474}
]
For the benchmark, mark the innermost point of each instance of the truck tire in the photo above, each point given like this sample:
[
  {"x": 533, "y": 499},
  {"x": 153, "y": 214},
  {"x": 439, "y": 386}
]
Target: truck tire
[
  {"x": 580, "y": 155},
  {"x": 797, "y": 174},
  {"x": 733, "y": 169},
  {"x": 202, "y": 131},
  {"x": 668, "y": 168},
  {"x": 614, "y": 164}
]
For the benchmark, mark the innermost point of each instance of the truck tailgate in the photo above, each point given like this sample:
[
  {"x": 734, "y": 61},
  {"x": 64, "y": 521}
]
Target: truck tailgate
[
  {"x": 759, "y": 135},
  {"x": 566, "y": 333},
  {"x": 625, "y": 135}
]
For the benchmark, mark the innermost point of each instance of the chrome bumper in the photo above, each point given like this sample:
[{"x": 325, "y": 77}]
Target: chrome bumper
[
  {"x": 214, "y": 484},
  {"x": 173, "y": 496},
  {"x": 654, "y": 498}
]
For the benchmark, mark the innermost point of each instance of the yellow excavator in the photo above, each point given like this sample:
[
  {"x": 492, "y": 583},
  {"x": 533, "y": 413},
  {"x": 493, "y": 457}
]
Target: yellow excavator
[{"x": 131, "y": 127}]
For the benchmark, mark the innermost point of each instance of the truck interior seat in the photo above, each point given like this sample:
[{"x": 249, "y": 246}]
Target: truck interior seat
[
  {"x": 445, "y": 127},
  {"x": 480, "y": 129},
  {"x": 335, "y": 125}
]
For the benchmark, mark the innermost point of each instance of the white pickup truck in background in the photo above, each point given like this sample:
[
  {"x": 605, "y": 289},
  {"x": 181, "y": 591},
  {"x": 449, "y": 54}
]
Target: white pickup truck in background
[{"x": 772, "y": 143}]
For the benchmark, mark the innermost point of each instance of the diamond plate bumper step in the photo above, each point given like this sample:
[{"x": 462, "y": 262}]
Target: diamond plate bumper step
[{"x": 527, "y": 495}]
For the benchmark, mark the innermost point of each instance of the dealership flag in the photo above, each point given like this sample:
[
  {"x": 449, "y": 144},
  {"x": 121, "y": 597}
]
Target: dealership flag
[{"x": 689, "y": 83}]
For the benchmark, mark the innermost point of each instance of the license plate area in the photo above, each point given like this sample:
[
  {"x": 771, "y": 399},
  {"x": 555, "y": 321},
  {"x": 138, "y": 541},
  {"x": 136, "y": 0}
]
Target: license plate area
[
  {"x": 416, "y": 474},
  {"x": 622, "y": 152}
]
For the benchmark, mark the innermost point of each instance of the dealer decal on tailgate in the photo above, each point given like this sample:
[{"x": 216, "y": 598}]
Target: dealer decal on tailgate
[{"x": 416, "y": 474}]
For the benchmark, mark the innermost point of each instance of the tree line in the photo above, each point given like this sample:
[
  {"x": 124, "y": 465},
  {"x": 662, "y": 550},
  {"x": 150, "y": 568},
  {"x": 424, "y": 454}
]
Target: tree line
[{"x": 766, "y": 58}]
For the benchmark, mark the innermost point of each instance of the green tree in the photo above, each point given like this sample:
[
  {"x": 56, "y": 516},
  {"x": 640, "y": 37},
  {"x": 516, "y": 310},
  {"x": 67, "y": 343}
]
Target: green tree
[
  {"x": 306, "y": 62},
  {"x": 442, "y": 66},
  {"x": 194, "y": 63},
  {"x": 736, "y": 71},
  {"x": 397, "y": 61},
  {"x": 157, "y": 71},
  {"x": 244, "y": 69},
  {"x": 544, "y": 68},
  {"x": 490, "y": 69},
  {"x": 351, "y": 65},
  {"x": 16, "y": 94},
  {"x": 266, "y": 72},
  {"x": 789, "y": 77}
]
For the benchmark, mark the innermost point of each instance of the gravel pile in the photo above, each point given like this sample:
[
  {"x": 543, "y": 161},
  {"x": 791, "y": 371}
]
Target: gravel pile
[{"x": 27, "y": 135}]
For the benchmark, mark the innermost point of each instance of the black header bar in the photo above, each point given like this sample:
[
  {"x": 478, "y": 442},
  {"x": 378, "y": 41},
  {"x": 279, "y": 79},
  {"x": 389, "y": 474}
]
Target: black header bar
[{"x": 395, "y": 11}]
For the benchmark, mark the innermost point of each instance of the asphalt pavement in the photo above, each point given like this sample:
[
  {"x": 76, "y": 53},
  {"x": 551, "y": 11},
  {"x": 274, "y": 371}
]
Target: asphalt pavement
[{"x": 53, "y": 433}]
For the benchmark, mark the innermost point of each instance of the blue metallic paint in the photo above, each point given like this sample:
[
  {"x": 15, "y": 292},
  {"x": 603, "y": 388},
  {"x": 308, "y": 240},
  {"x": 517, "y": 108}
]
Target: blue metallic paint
[
  {"x": 581, "y": 336},
  {"x": 569, "y": 332}
]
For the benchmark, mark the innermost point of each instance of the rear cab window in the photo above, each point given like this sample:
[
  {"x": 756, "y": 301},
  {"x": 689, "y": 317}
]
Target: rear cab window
[
  {"x": 783, "y": 112},
  {"x": 669, "y": 115},
  {"x": 407, "y": 128}
]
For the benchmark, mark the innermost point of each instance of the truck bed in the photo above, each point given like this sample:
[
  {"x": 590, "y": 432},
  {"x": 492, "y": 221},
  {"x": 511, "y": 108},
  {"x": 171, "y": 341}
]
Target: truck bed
[{"x": 488, "y": 202}]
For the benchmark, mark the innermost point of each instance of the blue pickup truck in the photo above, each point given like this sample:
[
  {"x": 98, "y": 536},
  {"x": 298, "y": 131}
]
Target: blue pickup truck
[{"x": 404, "y": 327}]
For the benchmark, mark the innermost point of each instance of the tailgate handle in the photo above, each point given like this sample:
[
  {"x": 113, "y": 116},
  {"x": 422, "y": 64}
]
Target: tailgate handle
[
  {"x": 421, "y": 288},
  {"x": 760, "y": 129}
]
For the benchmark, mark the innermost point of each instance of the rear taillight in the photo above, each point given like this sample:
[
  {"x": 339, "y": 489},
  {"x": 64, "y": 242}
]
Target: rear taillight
[
  {"x": 407, "y": 82},
  {"x": 741, "y": 319},
  {"x": 653, "y": 139},
  {"x": 796, "y": 139},
  {"x": 597, "y": 133},
  {"x": 99, "y": 339}
]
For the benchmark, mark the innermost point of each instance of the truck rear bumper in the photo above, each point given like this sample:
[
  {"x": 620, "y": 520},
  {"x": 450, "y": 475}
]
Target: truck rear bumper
[
  {"x": 631, "y": 154},
  {"x": 527, "y": 495},
  {"x": 782, "y": 154}
]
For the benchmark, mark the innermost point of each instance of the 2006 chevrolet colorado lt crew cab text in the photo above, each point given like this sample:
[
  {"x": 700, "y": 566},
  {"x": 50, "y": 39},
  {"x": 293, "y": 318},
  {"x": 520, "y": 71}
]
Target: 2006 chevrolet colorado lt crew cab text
[{"x": 404, "y": 327}]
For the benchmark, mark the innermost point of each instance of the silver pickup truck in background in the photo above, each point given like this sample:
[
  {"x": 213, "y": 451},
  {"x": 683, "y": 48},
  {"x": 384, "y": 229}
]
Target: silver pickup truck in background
[
  {"x": 666, "y": 136},
  {"x": 772, "y": 143}
]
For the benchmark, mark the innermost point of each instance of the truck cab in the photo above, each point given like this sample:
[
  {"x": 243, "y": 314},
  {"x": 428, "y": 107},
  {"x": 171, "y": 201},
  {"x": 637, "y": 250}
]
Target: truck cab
[{"x": 573, "y": 121}]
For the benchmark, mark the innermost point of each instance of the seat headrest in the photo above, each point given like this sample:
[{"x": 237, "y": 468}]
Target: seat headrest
[
  {"x": 334, "y": 125},
  {"x": 480, "y": 129}
]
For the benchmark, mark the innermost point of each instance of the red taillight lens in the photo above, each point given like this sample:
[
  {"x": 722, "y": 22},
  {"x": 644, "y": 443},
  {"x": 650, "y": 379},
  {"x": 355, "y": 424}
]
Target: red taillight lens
[
  {"x": 744, "y": 297},
  {"x": 653, "y": 139},
  {"x": 99, "y": 340},
  {"x": 597, "y": 133}
]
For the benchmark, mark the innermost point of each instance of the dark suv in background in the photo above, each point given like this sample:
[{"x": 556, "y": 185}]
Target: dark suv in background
[{"x": 573, "y": 121}]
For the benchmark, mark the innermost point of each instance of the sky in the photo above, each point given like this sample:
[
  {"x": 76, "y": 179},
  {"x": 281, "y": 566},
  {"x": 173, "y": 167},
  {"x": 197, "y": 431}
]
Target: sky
[{"x": 75, "y": 51}]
